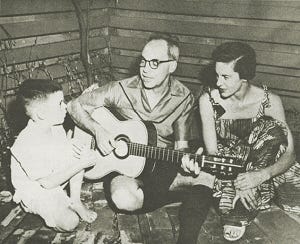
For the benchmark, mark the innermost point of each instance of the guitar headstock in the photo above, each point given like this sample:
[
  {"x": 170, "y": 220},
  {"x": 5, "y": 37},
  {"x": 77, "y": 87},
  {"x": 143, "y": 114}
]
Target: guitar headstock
[{"x": 222, "y": 167}]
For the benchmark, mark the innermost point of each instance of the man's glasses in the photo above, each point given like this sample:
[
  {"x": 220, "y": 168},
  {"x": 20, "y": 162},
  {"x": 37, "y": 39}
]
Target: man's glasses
[{"x": 153, "y": 63}]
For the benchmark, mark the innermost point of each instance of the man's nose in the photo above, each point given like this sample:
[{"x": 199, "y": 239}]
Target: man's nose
[
  {"x": 220, "y": 81},
  {"x": 147, "y": 67}
]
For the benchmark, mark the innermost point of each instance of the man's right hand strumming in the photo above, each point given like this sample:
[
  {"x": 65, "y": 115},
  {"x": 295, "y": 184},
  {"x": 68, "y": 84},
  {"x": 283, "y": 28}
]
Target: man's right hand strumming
[{"x": 105, "y": 141}]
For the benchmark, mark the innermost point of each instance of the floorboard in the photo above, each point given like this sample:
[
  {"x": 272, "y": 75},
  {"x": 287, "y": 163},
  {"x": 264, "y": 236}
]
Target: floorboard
[{"x": 161, "y": 226}]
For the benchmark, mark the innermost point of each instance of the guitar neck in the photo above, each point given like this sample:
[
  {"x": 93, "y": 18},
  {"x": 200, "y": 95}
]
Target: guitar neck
[
  {"x": 175, "y": 156},
  {"x": 157, "y": 153}
]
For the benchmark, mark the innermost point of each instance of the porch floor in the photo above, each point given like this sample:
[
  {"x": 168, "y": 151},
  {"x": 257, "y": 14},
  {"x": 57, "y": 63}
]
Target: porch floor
[{"x": 159, "y": 227}]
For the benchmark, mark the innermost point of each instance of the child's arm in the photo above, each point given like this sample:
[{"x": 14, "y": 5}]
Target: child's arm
[{"x": 86, "y": 158}]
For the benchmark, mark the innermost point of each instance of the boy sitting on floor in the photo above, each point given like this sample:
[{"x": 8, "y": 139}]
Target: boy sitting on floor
[{"x": 44, "y": 160}]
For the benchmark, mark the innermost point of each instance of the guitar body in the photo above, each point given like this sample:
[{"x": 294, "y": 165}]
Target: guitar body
[
  {"x": 132, "y": 130},
  {"x": 136, "y": 150}
]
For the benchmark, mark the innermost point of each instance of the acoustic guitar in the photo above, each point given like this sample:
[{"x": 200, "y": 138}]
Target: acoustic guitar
[{"x": 136, "y": 150}]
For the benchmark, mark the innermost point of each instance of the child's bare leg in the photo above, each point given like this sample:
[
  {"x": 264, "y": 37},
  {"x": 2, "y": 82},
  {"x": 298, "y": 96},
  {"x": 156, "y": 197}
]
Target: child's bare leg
[
  {"x": 67, "y": 223},
  {"x": 54, "y": 207},
  {"x": 75, "y": 190}
]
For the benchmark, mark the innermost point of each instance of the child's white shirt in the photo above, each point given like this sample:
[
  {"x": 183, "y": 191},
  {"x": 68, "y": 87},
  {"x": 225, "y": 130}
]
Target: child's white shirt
[{"x": 36, "y": 155}]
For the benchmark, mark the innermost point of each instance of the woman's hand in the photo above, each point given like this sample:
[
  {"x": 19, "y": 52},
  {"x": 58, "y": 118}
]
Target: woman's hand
[
  {"x": 251, "y": 179},
  {"x": 247, "y": 198},
  {"x": 190, "y": 165}
]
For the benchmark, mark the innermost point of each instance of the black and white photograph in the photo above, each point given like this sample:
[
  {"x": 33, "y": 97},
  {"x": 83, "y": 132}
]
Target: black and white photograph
[{"x": 150, "y": 121}]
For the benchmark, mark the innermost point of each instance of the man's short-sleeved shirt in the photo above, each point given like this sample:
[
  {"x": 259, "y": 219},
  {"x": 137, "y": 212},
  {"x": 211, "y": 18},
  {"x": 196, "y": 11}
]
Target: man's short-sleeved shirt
[{"x": 171, "y": 116}]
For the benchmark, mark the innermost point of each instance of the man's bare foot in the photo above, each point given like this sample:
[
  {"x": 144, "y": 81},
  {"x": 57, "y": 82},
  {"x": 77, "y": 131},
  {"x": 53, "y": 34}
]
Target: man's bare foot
[{"x": 84, "y": 213}]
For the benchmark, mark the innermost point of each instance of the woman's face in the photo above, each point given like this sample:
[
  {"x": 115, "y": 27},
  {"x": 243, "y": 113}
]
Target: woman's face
[{"x": 228, "y": 81}]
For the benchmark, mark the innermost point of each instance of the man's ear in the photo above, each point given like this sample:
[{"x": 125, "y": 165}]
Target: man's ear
[{"x": 172, "y": 66}]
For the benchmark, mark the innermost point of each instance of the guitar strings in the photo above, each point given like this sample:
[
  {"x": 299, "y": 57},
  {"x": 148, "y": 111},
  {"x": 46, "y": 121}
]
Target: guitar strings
[{"x": 169, "y": 154}]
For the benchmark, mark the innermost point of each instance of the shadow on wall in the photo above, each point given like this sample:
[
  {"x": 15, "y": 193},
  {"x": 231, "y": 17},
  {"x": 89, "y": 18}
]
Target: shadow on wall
[
  {"x": 293, "y": 120},
  {"x": 17, "y": 118},
  {"x": 207, "y": 76},
  {"x": 134, "y": 68}
]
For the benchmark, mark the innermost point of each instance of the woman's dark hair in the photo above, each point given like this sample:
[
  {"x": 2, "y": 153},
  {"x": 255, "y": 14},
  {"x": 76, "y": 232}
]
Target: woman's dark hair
[{"x": 242, "y": 53}]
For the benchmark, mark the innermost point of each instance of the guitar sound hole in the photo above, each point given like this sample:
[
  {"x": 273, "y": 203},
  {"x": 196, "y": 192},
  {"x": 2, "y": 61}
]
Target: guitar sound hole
[{"x": 121, "y": 150}]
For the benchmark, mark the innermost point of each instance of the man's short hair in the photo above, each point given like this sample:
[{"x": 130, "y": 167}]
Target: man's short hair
[
  {"x": 243, "y": 55},
  {"x": 36, "y": 90},
  {"x": 172, "y": 43}
]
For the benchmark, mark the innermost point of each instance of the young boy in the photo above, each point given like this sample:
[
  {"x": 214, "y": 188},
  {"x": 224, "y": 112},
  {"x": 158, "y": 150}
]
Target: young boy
[{"x": 44, "y": 160}]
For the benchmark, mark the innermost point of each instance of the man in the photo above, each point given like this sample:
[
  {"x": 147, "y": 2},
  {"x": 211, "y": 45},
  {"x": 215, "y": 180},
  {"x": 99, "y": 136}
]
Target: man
[{"x": 155, "y": 96}]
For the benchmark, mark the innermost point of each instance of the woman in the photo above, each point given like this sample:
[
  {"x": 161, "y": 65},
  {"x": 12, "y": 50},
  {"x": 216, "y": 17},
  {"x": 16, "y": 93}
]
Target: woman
[{"x": 246, "y": 122}]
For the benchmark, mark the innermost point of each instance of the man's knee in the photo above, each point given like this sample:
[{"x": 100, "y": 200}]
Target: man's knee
[
  {"x": 127, "y": 200},
  {"x": 126, "y": 194}
]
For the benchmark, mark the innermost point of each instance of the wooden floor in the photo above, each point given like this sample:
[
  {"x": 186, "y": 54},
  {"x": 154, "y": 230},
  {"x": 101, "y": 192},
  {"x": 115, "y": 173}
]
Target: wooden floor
[{"x": 158, "y": 227}]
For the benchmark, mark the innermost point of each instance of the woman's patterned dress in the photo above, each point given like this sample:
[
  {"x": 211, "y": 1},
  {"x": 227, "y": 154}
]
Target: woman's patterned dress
[{"x": 257, "y": 143}]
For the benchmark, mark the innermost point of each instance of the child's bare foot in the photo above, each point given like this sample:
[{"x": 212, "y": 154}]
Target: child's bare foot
[{"x": 84, "y": 213}]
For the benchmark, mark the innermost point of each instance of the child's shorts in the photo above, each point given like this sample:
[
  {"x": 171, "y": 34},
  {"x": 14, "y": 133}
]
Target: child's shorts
[{"x": 47, "y": 203}]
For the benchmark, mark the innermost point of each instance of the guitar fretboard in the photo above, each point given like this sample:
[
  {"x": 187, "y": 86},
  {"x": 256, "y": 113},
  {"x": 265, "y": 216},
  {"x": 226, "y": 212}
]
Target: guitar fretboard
[{"x": 175, "y": 156}]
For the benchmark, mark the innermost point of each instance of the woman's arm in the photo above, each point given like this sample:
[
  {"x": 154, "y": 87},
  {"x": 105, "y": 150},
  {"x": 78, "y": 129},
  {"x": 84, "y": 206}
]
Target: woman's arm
[
  {"x": 288, "y": 158},
  {"x": 208, "y": 124},
  {"x": 252, "y": 179}
]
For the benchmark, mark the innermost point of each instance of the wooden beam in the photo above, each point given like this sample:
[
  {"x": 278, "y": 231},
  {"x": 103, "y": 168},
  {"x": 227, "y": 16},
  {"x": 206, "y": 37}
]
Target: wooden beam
[
  {"x": 270, "y": 57},
  {"x": 192, "y": 39},
  {"x": 208, "y": 29},
  {"x": 20, "y": 7},
  {"x": 46, "y": 51},
  {"x": 222, "y": 8},
  {"x": 50, "y": 24},
  {"x": 191, "y": 70}
]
